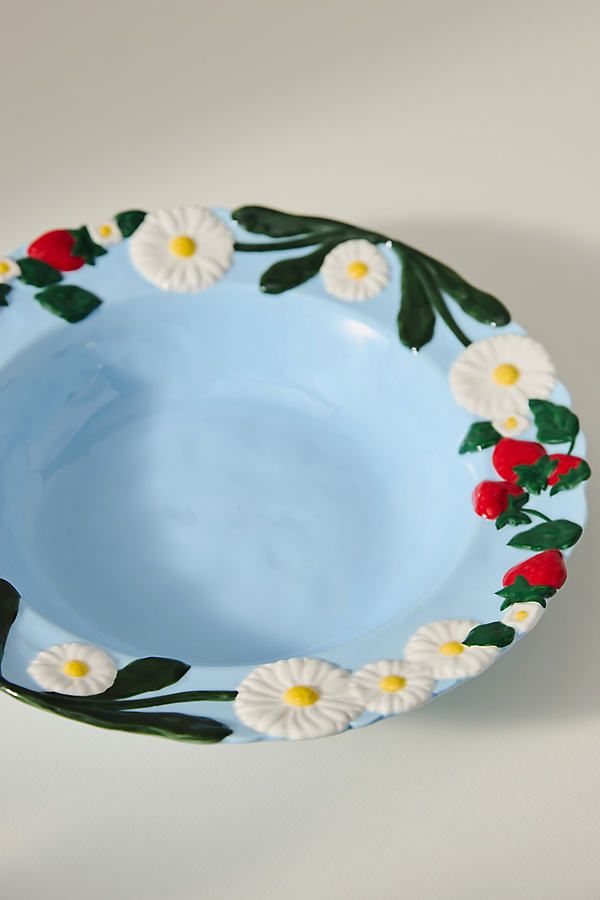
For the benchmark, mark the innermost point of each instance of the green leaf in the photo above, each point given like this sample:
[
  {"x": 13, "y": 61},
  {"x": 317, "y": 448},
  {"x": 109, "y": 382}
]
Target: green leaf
[
  {"x": 513, "y": 514},
  {"x": 274, "y": 223},
  {"x": 437, "y": 301},
  {"x": 142, "y": 675},
  {"x": 520, "y": 591},
  {"x": 129, "y": 221},
  {"x": 416, "y": 318},
  {"x": 37, "y": 273},
  {"x": 479, "y": 436},
  {"x": 494, "y": 634},
  {"x": 290, "y": 273},
  {"x": 477, "y": 304},
  {"x": 177, "y": 726},
  {"x": 69, "y": 301},
  {"x": 572, "y": 478},
  {"x": 9, "y": 607},
  {"x": 555, "y": 424},
  {"x": 4, "y": 292},
  {"x": 534, "y": 478},
  {"x": 85, "y": 247},
  {"x": 558, "y": 535}
]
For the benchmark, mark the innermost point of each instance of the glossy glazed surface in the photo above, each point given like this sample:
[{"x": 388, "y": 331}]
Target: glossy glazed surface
[
  {"x": 232, "y": 478},
  {"x": 225, "y": 479}
]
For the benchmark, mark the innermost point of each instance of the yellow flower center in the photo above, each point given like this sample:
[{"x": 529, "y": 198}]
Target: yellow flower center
[
  {"x": 300, "y": 695},
  {"x": 105, "y": 231},
  {"x": 452, "y": 648},
  {"x": 392, "y": 683},
  {"x": 511, "y": 423},
  {"x": 4, "y": 267},
  {"x": 76, "y": 668},
  {"x": 357, "y": 269},
  {"x": 182, "y": 245},
  {"x": 506, "y": 374},
  {"x": 521, "y": 615}
]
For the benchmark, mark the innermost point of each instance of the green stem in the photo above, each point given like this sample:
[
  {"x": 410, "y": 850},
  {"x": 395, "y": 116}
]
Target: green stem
[
  {"x": 435, "y": 296},
  {"x": 96, "y": 700},
  {"x": 343, "y": 233},
  {"x": 572, "y": 445},
  {"x": 23, "y": 693},
  {"x": 534, "y": 512},
  {"x": 445, "y": 314},
  {"x": 346, "y": 232},
  {"x": 181, "y": 697},
  {"x": 294, "y": 244}
]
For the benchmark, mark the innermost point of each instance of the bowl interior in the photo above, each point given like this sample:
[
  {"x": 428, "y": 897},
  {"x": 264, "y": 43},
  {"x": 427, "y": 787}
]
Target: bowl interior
[{"x": 226, "y": 478}]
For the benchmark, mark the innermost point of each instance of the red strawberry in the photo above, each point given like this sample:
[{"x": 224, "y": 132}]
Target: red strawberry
[
  {"x": 490, "y": 498},
  {"x": 509, "y": 453},
  {"x": 544, "y": 568},
  {"x": 55, "y": 248},
  {"x": 565, "y": 463}
]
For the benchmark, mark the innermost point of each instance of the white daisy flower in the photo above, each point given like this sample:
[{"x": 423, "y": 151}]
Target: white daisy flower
[
  {"x": 438, "y": 647},
  {"x": 497, "y": 377},
  {"x": 355, "y": 270},
  {"x": 106, "y": 233},
  {"x": 8, "y": 270},
  {"x": 297, "y": 698},
  {"x": 512, "y": 425},
  {"x": 184, "y": 249},
  {"x": 76, "y": 669},
  {"x": 523, "y": 616},
  {"x": 391, "y": 686}
]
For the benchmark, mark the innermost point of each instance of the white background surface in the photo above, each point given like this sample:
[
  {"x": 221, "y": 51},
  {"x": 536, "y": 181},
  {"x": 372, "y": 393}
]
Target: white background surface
[{"x": 468, "y": 128}]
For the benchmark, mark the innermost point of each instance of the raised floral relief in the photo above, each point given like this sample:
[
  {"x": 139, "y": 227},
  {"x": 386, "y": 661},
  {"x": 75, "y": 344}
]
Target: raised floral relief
[
  {"x": 75, "y": 669},
  {"x": 9, "y": 270},
  {"x": 185, "y": 249},
  {"x": 354, "y": 271},
  {"x": 440, "y": 648},
  {"x": 297, "y": 698},
  {"x": 497, "y": 377},
  {"x": 506, "y": 380},
  {"x": 392, "y": 686},
  {"x": 106, "y": 233}
]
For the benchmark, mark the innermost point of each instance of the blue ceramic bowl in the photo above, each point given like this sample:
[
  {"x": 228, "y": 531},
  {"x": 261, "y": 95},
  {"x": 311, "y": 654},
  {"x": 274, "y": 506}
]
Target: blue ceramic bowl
[{"x": 203, "y": 478}]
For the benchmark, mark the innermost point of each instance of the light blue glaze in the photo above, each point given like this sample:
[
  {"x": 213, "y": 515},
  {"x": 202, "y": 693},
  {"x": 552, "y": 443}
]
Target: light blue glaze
[{"x": 230, "y": 478}]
